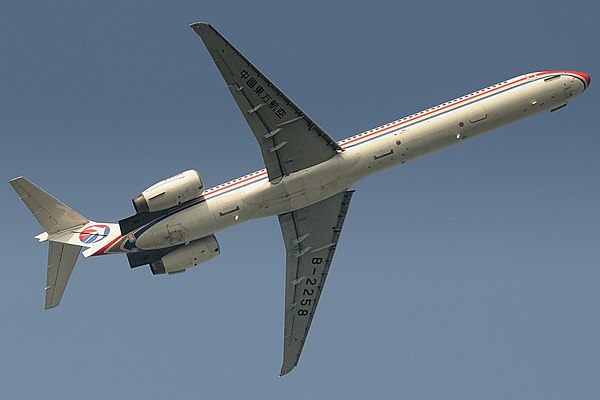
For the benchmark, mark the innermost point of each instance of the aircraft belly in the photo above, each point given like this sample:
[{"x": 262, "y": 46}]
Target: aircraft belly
[{"x": 299, "y": 189}]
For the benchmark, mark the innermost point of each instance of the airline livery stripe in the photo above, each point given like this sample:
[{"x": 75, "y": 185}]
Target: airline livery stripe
[
  {"x": 436, "y": 110},
  {"x": 236, "y": 182},
  {"x": 103, "y": 249},
  {"x": 456, "y": 103}
]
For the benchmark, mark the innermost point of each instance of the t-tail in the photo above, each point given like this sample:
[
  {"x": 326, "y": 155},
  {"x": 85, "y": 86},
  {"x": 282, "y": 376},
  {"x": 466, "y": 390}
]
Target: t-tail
[{"x": 66, "y": 232}]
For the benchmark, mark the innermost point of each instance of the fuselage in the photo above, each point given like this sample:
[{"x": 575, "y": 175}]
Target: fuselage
[{"x": 254, "y": 196}]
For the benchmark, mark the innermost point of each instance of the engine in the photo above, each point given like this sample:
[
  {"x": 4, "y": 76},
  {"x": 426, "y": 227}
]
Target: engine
[
  {"x": 187, "y": 256},
  {"x": 169, "y": 193}
]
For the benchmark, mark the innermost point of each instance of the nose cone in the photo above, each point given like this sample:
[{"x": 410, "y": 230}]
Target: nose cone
[{"x": 585, "y": 78}]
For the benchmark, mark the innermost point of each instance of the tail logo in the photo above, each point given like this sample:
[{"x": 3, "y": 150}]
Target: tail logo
[{"x": 94, "y": 233}]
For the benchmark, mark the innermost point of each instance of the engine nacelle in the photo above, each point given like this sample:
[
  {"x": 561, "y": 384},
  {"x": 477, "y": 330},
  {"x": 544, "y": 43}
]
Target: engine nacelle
[
  {"x": 169, "y": 193},
  {"x": 187, "y": 256}
]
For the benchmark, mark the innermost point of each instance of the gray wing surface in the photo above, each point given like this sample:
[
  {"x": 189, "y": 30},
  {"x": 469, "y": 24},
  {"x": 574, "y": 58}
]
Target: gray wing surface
[
  {"x": 61, "y": 259},
  {"x": 289, "y": 140},
  {"x": 310, "y": 235}
]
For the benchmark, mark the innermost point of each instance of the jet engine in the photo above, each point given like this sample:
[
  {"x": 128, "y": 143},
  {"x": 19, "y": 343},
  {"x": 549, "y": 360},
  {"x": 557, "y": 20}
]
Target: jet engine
[
  {"x": 187, "y": 256},
  {"x": 170, "y": 192}
]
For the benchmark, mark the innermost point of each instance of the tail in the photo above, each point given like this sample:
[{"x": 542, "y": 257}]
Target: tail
[{"x": 65, "y": 230}]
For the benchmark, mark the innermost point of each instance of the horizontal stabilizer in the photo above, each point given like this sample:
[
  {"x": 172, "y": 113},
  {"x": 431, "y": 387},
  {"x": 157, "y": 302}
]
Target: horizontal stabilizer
[
  {"x": 61, "y": 260},
  {"x": 53, "y": 215}
]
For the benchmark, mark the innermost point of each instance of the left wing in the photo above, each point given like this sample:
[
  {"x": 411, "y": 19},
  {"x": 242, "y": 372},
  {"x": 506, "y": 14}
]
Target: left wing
[
  {"x": 310, "y": 235},
  {"x": 289, "y": 140}
]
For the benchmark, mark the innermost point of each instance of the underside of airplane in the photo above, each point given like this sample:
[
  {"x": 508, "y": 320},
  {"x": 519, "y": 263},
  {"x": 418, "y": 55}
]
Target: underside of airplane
[{"x": 307, "y": 183}]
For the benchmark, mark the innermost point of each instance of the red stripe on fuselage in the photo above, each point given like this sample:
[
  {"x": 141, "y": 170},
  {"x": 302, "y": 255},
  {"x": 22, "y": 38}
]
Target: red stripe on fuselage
[
  {"x": 103, "y": 249},
  {"x": 212, "y": 191},
  {"x": 585, "y": 78},
  {"x": 469, "y": 97}
]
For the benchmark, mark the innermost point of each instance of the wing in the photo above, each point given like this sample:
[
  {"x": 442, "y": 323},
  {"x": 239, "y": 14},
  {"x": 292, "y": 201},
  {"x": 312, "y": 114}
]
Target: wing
[
  {"x": 311, "y": 235},
  {"x": 289, "y": 140},
  {"x": 61, "y": 259}
]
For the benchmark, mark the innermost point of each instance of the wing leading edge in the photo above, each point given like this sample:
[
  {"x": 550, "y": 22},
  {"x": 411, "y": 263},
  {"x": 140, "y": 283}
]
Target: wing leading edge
[
  {"x": 289, "y": 140},
  {"x": 310, "y": 235}
]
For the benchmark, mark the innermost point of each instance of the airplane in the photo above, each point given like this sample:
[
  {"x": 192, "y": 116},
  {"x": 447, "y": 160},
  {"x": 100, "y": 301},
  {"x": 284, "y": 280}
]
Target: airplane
[{"x": 306, "y": 183}]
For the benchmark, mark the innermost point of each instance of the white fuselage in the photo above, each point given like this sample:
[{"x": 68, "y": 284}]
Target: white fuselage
[{"x": 253, "y": 196}]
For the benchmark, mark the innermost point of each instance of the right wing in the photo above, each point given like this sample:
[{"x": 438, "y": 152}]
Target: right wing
[
  {"x": 310, "y": 235},
  {"x": 289, "y": 140},
  {"x": 61, "y": 259}
]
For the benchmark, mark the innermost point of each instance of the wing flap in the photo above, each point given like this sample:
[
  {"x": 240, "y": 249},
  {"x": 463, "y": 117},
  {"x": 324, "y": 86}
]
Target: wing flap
[
  {"x": 310, "y": 235},
  {"x": 289, "y": 140}
]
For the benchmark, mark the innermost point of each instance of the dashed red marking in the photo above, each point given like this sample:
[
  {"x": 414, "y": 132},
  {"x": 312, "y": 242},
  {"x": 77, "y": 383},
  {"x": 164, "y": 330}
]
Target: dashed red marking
[
  {"x": 210, "y": 192},
  {"x": 469, "y": 97}
]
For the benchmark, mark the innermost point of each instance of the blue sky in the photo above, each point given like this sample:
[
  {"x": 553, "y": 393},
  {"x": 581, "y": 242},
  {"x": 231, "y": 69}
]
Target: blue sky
[{"x": 470, "y": 273}]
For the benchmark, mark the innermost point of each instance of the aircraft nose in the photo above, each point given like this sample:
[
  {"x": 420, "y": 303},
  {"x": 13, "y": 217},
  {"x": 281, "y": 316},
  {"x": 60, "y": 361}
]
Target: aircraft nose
[{"x": 585, "y": 78}]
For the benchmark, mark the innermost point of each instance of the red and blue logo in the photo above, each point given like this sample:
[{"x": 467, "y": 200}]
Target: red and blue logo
[{"x": 94, "y": 233}]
